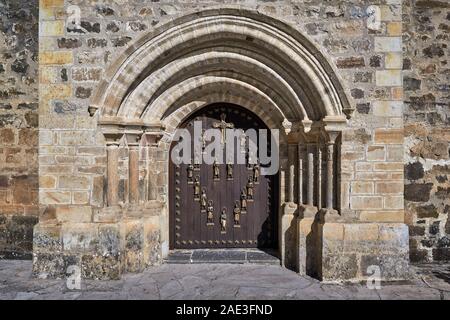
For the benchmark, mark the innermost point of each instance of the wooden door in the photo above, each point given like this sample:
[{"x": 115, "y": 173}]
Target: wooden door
[{"x": 222, "y": 205}]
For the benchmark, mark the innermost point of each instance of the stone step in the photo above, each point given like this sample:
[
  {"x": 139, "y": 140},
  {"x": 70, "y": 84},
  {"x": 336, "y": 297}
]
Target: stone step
[{"x": 227, "y": 256}]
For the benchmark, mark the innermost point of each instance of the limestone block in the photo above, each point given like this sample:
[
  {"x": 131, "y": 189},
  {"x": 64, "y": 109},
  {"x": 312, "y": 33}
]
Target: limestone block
[
  {"x": 80, "y": 197},
  {"x": 53, "y": 265},
  {"x": 47, "y": 237},
  {"x": 74, "y": 138},
  {"x": 51, "y": 3},
  {"x": 51, "y": 28},
  {"x": 383, "y": 245},
  {"x": 394, "y": 28},
  {"x": 391, "y": 12},
  {"x": 287, "y": 235},
  {"x": 54, "y": 197},
  {"x": 393, "y": 60},
  {"x": 56, "y": 58},
  {"x": 109, "y": 240},
  {"x": 362, "y": 187},
  {"x": 376, "y": 153},
  {"x": 134, "y": 245},
  {"x": 394, "y": 202},
  {"x": 382, "y": 216},
  {"x": 389, "y": 136},
  {"x": 389, "y": 187},
  {"x": 392, "y": 266},
  {"x": 388, "y": 108},
  {"x": 76, "y": 214},
  {"x": 152, "y": 245},
  {"x": 79, "y": 237},
  {"x": 333, "y": 232},
  {"x": 339, "y": 267},
  {"x": 96, "y": 267},
  {"x": 388, "y": 44},
  {"x": 361, "y": 232},
  {"x": 366, "y": 202},
  {"x": 74, "y": 182},
  {"x": 388, "y": 78},
  {"x": 309, "y": 247},
  {"x": 388, "y": 166},
  {"x": 47, "y": 182}
]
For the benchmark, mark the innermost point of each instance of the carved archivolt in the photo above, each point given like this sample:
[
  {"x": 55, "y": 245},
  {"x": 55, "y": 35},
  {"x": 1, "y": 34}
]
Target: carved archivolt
[
  {"x": 224, "y": 56},
  {"x": 252, "y": 55}
]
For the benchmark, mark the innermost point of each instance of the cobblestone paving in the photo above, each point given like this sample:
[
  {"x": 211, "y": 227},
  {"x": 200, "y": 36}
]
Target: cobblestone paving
[{"x": 219, "y": 281}]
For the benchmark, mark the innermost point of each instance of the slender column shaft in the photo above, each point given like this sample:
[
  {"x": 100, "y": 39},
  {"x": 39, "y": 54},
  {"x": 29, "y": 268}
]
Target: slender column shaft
[
  {"x": 300, "y": 175},
  {"x": 282, "y": 187},
  {"x": 310, "y": 191},
  {"x": 152, "y": 192},
  {"x": 330, "y": 159},
  {"x": 291, "y": 183},
  {"x": 319, "y": 177},
  {"x": 133, "y": 173},
  {"x": 113, "y": 177}
]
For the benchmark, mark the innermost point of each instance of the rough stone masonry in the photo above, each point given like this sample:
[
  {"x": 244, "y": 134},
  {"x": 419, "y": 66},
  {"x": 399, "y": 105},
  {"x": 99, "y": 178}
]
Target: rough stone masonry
[{"x": 392, "y": 154}]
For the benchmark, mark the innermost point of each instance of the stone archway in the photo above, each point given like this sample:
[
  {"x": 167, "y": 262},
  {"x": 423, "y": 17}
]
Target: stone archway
[{"x": 224, "y": 56}]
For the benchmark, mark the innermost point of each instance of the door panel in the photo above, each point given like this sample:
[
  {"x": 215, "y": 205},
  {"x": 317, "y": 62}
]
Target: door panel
[{"x": 190, "y": 226}]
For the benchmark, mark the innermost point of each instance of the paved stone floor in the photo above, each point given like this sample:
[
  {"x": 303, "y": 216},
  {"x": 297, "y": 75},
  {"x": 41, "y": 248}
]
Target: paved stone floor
[{"x": 219, "y": 281}]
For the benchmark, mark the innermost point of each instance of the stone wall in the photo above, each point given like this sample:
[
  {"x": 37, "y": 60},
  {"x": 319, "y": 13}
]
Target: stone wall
[
  {"x": 427, "y": 120},
  {"x": 74, "y": 59},
  {"x": 18, "y": 126}
]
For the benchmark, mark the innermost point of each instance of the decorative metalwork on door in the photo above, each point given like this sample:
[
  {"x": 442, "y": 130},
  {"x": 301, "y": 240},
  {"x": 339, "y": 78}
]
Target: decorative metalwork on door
[{"x": 227, "y": 205}]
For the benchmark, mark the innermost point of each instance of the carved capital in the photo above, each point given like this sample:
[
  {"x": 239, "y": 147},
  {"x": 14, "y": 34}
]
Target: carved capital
[
  {"x": 113, "y": 138},
  {"x": 152, "y": 138},
  {"x": 133, "y": 138},
  {"x": 332, "y": 137},
  {"x": 334, "y": 123}
]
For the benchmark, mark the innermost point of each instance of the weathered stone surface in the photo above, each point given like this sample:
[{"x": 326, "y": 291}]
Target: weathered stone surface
[
  {"x": 418, "y": 192},
  {"x": 18, "y": 118},
  {"x": 414, "y": 171},
  {"x": 426, "y": 91},
  {"x": 352, "y": 62},
  {"x": 74, "y": 59},
  {"x": 234, "y": 282},
  {"x": 340, "y": 266}
]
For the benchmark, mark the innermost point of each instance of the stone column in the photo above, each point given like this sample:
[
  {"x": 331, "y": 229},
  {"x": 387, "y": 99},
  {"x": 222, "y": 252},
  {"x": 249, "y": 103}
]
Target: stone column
[
  {"x": 152, "y": 140},
  {"x": 133, "y": 167},
  {"x": 292, "y": 151},
  {"x": 133, "y": 173},
  {"x": 330, "y": 169},
  {"x": 282, "y": 187},
  {"x": 291, "y": 183},
  {"x": 310, "y": 191},
  {"x": 300, "y": 174},
  {"x": 112, "y": 195},
  {"x": 319, "y": 176}
]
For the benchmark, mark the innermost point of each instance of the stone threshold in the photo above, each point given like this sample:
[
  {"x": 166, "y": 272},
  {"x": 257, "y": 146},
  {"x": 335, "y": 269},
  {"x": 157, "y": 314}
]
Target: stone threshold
[{"x": 226, "y": 256}]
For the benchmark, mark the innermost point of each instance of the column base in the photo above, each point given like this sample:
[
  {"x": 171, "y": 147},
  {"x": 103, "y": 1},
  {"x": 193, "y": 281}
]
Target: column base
[
  {"x": 307, "y": 211},
  {"x": 351, "y": 251},
  {"x": 105, "y": 248},
  {"x": 287, "y": 235}
]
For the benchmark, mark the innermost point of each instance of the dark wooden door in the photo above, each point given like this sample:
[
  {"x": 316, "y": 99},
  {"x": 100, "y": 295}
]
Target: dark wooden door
[{"x": 232, "y": 217}]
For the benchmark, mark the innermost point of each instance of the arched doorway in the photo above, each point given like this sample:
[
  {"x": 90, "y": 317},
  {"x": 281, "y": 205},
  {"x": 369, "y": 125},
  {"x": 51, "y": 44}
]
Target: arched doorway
[{"x": 222, "y": 205}]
